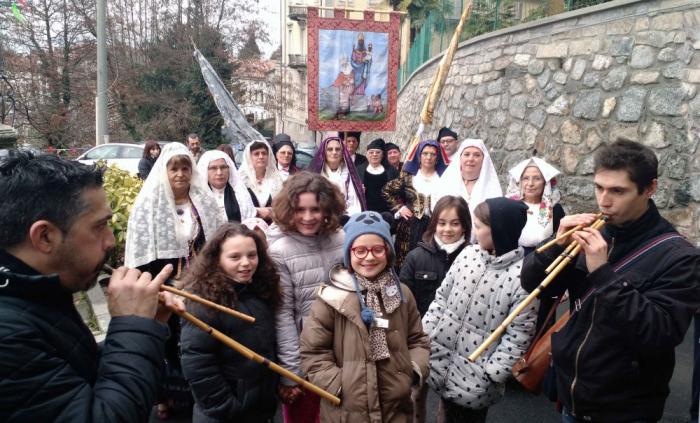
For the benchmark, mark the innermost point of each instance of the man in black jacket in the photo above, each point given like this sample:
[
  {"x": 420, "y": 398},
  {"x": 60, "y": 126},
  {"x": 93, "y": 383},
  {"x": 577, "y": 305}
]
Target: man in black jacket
[
  {"x": 633, "y": 293},
  {"x": 54, "y": 238}
]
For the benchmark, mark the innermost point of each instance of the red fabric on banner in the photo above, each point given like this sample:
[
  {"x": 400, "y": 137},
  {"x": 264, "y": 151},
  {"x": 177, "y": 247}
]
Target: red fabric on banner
[{"x": 374, "y": 103}]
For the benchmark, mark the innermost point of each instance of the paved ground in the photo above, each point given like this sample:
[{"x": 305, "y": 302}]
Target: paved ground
[{"x": 522, "y": 407}]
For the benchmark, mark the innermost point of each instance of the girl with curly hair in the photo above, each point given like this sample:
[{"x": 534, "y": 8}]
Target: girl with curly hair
[
  {"x": 305, "y": 241},
  {"x": 233, "y": 269}
]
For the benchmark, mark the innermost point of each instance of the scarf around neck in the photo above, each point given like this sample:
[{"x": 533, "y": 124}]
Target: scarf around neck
[
  {"x": 449, "y": 248},
  {"x": 383, "y": 291}
]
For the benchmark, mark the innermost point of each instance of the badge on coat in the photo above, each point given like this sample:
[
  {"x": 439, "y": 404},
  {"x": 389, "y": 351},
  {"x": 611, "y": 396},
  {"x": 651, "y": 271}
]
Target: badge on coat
[
  {"x": 380, "y": 323},
  {"x": 391, "y": 290}
]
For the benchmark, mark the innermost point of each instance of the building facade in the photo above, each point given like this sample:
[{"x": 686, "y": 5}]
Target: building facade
[{"x": 293, "y": 105}]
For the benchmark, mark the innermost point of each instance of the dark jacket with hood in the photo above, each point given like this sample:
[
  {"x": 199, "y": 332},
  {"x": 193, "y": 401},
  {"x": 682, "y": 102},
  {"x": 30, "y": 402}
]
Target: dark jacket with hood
[
  {"x": 615, "y": 356},
  {"x": 477, "y": 294},
  {"x": 424, "y": 269},
  {"x": 51, "y": 369},
  {"x": 228, "y": 387}
]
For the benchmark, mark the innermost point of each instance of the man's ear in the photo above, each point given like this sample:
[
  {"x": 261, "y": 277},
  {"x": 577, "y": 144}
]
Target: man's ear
[
  {"x": 45, "y": 236},
  {"x": 651, "y": 189}
]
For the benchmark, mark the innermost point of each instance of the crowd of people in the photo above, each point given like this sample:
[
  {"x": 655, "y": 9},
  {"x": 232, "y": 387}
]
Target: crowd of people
[{"x": 372, "y": 278}]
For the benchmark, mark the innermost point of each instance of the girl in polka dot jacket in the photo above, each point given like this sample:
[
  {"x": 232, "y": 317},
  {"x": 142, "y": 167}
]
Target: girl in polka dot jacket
[{"x": 481, "y": 288}]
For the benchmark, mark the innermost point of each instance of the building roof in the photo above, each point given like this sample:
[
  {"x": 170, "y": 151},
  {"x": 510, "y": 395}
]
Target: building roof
[{"x": 254, "y": 68}]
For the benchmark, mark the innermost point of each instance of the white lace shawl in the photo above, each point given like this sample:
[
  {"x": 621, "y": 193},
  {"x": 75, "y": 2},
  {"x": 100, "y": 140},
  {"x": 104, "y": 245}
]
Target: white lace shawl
[{"x": 151, "y": 229}]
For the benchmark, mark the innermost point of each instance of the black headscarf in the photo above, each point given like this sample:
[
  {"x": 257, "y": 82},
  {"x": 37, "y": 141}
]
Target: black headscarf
[
  {"x": 279, "y": 144},
  {"x": 508, "y": 218}
]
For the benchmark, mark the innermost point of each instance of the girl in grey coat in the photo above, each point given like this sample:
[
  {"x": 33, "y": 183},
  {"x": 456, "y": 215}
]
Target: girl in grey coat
[
  {"x": 305, "y": 242},
  {"x": 481, "y": 288}
]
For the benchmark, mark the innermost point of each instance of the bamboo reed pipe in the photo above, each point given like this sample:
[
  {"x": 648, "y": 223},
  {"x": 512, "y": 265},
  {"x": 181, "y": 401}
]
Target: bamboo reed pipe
[
  {"x": 534, "y": 294},
  {"x": 108, "y": 269}
]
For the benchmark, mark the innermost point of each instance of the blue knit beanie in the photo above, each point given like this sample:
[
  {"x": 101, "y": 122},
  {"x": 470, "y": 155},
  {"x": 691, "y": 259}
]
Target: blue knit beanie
[
  {"x": 363, "y": 223},
  {"x": 367, "y": 222}
]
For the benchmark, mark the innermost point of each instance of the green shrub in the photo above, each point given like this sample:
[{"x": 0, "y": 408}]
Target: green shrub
[{"x": 121, "y": 188}]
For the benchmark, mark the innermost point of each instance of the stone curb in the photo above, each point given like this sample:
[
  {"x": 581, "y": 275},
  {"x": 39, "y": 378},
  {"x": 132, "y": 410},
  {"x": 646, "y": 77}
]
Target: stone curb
[{"x": 98, "y": 302}]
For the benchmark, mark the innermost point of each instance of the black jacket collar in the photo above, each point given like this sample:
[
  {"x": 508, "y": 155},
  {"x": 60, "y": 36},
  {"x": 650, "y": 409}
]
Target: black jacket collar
[
  {"x": 634, "y": 234},
  {"x": 17, "y": 279}
]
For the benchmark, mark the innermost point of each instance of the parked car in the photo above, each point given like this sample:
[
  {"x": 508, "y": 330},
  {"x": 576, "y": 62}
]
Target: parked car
[{"x": 125, "y": 156}]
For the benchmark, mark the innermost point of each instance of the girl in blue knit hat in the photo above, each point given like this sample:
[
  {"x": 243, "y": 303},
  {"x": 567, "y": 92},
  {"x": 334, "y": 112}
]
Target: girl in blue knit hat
[{"x": 363, "y": 340}]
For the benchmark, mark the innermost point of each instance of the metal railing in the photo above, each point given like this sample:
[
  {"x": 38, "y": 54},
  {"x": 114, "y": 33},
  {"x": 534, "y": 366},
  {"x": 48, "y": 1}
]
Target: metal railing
[
  {"x": 297, "y": 60},
  {"x": 297, "y": 13}
]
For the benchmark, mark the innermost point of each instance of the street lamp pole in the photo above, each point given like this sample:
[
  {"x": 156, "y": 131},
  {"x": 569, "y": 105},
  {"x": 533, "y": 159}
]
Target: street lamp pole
[{"x": 101, "y": 122}]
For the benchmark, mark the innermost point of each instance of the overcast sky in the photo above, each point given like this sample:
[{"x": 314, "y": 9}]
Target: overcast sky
[{"x": 270, "y": 14}]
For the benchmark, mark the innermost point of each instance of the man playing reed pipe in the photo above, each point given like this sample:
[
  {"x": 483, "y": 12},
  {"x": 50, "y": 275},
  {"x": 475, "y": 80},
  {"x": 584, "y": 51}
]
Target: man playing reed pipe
[
  {"x": 633, "y": 293},
  {"x": 54, "y": 238}
]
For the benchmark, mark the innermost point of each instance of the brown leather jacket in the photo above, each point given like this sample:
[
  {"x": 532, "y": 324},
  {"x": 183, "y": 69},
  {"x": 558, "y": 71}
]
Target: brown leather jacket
[{"x": 335, "y": 350}]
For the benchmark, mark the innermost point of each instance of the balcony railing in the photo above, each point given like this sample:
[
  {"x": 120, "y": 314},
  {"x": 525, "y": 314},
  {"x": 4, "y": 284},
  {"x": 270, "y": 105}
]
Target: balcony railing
[
  {"x": 297, "y": 13},
  {"x": 297, "y": 60}
]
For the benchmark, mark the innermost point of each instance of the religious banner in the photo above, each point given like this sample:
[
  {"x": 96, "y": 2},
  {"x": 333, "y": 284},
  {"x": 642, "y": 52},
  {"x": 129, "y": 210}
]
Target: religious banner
[{"x": 352, "y": 72}]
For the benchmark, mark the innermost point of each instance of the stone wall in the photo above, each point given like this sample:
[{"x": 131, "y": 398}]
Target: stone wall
[{"x": 567, "y": 84}]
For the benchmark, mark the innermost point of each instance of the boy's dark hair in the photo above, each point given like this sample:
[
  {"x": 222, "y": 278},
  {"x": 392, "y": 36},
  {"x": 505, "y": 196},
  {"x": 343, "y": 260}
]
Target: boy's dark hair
[
  {"x": 44, "y": 187},
  {"x": 639, "y": 161},
  {"x": 206, "y": 278},
  {"x": 445, "y": 203}
]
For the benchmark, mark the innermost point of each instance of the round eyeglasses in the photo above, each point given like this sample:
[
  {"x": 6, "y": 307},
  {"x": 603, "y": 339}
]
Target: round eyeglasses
[{"x": 361, "y": 251}]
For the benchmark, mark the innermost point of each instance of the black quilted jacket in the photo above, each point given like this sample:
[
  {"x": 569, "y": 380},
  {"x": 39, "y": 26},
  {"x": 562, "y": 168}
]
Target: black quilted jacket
[{"x": 51, "y": 369}]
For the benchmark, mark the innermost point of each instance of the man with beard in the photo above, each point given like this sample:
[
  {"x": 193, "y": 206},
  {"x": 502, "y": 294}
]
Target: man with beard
[
  {"x": 195, "y": 146},
  {"x": 54, "y": 238}
]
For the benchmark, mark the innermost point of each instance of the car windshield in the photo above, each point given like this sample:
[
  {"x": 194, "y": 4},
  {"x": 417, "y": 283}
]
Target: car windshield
[
  {"x": 103, "y": 152},
  {"x": 131, "y": 153}
]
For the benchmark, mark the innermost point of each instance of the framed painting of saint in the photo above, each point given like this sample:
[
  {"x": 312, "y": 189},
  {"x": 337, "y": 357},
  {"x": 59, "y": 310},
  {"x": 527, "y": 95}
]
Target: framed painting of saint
[{"x": 352, "y": 72}]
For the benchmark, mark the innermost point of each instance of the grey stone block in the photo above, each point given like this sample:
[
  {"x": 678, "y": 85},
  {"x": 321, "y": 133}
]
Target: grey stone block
[
  {"x": 666, "y": 101},
  {"x": 629, "y": 108},
  {"x": 621, "y": 46},
  {"x": 673, "y": 71},
  {"x": 588, "y": 104},
  {"x": 642, "y": 57},
  {"x": 615, "y": 79}
]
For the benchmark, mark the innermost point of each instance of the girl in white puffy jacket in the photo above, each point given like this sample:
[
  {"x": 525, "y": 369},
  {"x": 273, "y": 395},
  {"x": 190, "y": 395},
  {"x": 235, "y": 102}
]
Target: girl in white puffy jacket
[{"x": 479, "y": 291}]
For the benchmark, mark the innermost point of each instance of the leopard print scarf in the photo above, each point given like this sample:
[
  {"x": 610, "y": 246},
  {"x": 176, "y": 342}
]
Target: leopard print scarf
[{"x": 388, "y": 290}]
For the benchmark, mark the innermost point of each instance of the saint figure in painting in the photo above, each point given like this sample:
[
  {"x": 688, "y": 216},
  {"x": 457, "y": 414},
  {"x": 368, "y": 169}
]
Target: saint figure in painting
[
  {"x": 345, "y": 84},
  {"x": 361, "y": 60}
]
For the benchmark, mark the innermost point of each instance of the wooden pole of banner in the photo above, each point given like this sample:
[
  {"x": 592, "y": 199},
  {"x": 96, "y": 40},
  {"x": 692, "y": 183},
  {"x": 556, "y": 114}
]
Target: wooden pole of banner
[{"x": 426, "y": 115}]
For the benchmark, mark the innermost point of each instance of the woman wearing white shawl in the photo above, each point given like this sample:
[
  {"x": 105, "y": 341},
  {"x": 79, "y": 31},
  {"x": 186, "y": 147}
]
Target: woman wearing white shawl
[
  {"x": 472, "y": 176},
  {"x": 534, "y": 182},
  {"x": 219, "y": 173},
  {"x": 167, "y": 222},
  {"x": 261, "y": 177},
  {"x": 172, "y": 217}
]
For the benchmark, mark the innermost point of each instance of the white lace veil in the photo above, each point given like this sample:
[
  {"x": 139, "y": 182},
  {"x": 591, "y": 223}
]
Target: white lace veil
[{"x": 151, "y": 229}]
